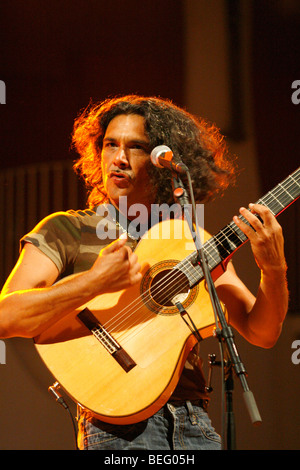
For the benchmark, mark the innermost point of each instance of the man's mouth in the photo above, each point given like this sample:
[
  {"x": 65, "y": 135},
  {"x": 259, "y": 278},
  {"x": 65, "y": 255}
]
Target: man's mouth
[
  {"x": 120, "y": 178},
  {"x": 119, "y": 175}
]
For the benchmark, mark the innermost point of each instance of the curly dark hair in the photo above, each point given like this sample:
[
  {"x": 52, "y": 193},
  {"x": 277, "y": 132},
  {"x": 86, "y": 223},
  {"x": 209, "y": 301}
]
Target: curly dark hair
[{"x": 196, "y": 142}]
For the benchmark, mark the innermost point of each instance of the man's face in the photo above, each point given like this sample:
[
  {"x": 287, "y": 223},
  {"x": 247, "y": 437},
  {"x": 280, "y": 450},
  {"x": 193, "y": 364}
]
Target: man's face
[{"x": 125, "y": 155}]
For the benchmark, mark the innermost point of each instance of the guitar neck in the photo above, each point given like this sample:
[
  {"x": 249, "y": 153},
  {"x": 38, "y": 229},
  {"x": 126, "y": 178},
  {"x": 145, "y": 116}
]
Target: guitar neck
[{"x": 222, "y": 245}]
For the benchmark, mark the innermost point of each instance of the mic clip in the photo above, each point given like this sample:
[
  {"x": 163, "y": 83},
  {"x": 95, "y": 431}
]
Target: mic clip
[{"x": 179, "y": 191}]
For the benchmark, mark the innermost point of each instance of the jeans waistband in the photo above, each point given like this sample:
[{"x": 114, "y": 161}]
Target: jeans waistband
[{"x": 203, "y": 403}]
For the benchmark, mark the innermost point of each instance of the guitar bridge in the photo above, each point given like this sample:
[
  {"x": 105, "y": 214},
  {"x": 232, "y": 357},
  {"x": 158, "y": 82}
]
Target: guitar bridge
[{"x": 106, "y": 339}]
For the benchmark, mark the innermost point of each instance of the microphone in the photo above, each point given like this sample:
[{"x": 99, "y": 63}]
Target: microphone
[{"x": 162, "y": 157}]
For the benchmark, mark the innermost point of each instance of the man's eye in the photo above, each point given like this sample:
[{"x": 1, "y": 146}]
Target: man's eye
[{"x": 139, "y": 147}]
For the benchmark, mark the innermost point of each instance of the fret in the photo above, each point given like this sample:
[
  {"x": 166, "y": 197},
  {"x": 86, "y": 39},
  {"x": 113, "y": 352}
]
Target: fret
[
  {"x": 225, "y": 244},
  {"x": 283, "y": 194},
  {"x": 229, "y": 239},
  {"x": 269, "y": 205},
  {"x": 284, "y": 189},
  {"x": 273, "y": 205},
  {"x": 191, "y": 272},
  {"x": 295, "y": 181}
]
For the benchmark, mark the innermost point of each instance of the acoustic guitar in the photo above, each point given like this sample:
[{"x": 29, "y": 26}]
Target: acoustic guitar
[{"x": 121, "y": 355}]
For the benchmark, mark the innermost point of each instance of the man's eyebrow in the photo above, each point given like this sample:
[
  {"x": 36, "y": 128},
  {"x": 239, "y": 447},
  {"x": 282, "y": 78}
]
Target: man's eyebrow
[{"x": 142, "y": 142}]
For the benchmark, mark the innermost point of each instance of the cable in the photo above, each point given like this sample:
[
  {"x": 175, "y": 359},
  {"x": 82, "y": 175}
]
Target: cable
[{"x": 60, "y": 400}]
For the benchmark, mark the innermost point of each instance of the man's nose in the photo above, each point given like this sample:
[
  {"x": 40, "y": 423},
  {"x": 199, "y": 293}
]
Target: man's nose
[{"x": 121, "y": 158}]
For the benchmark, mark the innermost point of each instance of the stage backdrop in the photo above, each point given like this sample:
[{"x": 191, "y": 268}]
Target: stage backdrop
[{"x": 230, "y": 61}]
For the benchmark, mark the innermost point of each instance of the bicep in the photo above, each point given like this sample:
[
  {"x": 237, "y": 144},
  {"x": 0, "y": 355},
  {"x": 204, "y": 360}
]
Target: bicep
[{"x": 33, "y": 270}]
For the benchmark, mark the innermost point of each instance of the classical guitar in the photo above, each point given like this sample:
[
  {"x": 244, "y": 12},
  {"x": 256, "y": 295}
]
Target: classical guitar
[{"x": 121, "y": 355}]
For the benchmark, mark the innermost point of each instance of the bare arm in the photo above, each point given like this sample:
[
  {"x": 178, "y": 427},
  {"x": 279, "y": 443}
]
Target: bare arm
[
  {"x": 259, "y": 319},
  {"x": 30, "y": 302}
]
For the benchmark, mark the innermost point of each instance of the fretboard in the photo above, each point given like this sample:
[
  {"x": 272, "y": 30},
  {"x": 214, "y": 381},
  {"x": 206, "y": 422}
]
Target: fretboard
[{"x": 222, "y": 245}]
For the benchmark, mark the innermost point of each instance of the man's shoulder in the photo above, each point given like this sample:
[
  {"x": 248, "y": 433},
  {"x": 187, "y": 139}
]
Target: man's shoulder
[
  {"x": 76, "y": 217},
  {"x": 83, "y": 216},
  {"x": 80, "y": 224}
]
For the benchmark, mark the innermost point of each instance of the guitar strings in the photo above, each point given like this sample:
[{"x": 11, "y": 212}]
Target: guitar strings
[
  {"x": 269, "y": 196},
  {"x": 233, "y": 228},
  {"x": 170, "y": 278},
  {"x": 137, "y": 322},
  {"x": 167, "y": 279}
]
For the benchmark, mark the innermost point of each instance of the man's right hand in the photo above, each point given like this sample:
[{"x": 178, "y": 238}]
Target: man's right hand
[{"x": 116, "y": 267}]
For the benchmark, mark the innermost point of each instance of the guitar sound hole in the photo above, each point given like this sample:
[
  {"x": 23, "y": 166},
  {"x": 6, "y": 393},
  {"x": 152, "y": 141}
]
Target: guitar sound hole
[{"x": 167, "y": 284}]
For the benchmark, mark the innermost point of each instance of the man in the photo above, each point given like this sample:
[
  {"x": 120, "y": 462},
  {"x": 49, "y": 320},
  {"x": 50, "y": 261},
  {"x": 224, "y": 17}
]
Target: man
[{"x": 114, "y": 140}]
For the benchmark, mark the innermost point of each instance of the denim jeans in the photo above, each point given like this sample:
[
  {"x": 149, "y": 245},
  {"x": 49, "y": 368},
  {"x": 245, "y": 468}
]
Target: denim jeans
[{"x": 184, "y": 426}]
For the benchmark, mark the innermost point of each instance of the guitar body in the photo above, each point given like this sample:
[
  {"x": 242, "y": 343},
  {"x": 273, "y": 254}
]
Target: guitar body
[{"x": 153, "y": 337}]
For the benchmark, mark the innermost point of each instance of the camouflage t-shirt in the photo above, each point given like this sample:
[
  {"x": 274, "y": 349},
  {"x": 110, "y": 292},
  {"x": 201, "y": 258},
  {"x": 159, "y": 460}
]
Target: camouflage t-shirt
[{"x": 73, "y": 241}]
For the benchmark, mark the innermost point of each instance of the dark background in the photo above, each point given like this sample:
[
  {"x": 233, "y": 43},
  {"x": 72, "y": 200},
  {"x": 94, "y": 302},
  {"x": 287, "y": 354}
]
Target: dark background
[{"x": 55, "y": 57}]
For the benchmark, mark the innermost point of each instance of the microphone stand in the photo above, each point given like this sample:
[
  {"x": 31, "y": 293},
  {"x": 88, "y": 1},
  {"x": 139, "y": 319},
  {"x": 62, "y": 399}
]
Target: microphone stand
[{"x": 224, "y": 333}]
